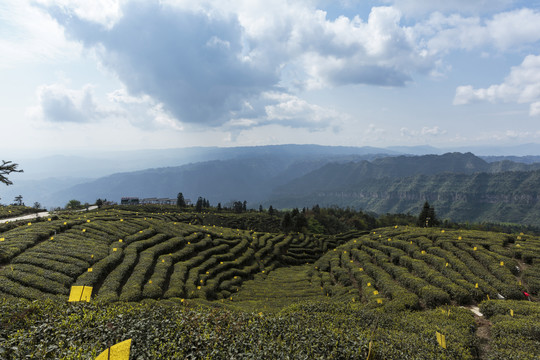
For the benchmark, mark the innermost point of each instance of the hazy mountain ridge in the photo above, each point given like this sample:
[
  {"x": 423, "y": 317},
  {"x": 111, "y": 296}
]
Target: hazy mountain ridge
[
  {"x": 242, "y": 178},
  {"x": 343, "y": 176},
  {"x": 509, "y": 196},
  {"x": 459, "y": 184}
]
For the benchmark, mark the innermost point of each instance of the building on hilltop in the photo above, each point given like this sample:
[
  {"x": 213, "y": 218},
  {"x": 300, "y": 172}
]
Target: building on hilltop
[
  {"x": 150, "y": 201},
  {"x": 129, "y": 201}
]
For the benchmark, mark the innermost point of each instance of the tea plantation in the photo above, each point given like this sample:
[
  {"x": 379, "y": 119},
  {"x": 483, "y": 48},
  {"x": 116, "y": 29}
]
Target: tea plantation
[{"x": 184, "y": 285}]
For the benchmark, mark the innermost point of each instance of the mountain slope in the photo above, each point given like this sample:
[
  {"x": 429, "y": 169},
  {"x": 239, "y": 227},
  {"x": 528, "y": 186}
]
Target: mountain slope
[
  {"x": 245, "y": 178},
  {"x": 511, "y": 196}
]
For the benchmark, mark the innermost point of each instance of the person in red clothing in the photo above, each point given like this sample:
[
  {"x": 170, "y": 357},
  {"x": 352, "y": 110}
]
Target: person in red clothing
[{"x": 527, "y": 295}]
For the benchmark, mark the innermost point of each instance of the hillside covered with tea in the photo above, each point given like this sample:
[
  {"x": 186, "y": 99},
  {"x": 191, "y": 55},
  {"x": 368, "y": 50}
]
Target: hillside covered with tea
[{"x": 171, "y": 280}]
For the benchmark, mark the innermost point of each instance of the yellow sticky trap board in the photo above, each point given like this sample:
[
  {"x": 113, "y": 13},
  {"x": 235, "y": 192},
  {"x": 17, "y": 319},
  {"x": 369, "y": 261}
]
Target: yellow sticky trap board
[
  {"x": 475, "y": 248},
  {"x": 511, "y": 312},
  {"x": 502, "y": 263},
  {"x": 375, "y": 292},
  {"x": 441, "y": 339},
  {"x": 80, "y": 293},
  {"x": 379, "y": 301},
  {"x": 476, "y": 286},
  {"x": 119, "y": 351}
]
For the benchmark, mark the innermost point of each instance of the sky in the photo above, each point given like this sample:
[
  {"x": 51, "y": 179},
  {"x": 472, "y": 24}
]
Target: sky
[{"x": 79, "y": 75}]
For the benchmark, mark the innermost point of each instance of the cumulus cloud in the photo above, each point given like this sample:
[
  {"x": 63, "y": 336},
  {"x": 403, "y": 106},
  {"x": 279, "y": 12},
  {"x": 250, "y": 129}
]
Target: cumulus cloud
[
  {"x": 143, "y": 111},
  {"x": 213, "y": 63},
  {"x": 295, "y": 112},
  {"x": 187, "y": 61},
  {"x": 204, "y": 60},
  {"x": 286, "y": 110},
  {"x": 62, "y": 105},
  {"x": 415, "y": 7},
  {"x": 522, "y": 85},
  {"x": 503, "y": 31}
]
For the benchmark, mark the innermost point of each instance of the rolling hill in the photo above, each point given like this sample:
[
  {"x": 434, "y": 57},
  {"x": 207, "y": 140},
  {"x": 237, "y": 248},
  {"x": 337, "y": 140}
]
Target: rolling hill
[{"x": 172, "y": 281}]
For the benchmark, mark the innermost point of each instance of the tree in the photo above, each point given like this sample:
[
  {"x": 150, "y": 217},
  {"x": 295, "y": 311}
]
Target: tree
[
  {"x": 261, "y": 208},
  {"x": 270, "y": 210},
  {"x": 237, "y": 207},
  {"x": 427, "y": 217},
  {"x": 180, "y": 201},
  {"x": 219, "y": 206},
  {"x": 18, "y": 200},
  {"x": 244, "y": 206},
  {"x": 286, "y": 222},
  {"x": 99, "y": 203},
  {"x": 300, "y": 222},
  {"x": 199, "y": 204},
  {"x": 37, "y": 205},
  {"x": 73, "y": 204},
  {"x": 7, "y": 168}
]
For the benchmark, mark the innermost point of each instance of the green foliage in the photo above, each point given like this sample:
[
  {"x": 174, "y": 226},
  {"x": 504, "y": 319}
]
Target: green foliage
[
  {"x": 160, "y": 330},
  {"x": 384, "y": 285},
  {"x": 517, "y": 336}
]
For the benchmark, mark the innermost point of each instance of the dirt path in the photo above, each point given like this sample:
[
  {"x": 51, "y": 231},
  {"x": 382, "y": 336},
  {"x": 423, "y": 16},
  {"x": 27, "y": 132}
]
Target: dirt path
[
  {"x": 483, "y": 332},
  {"x": 38, "y": 215}
]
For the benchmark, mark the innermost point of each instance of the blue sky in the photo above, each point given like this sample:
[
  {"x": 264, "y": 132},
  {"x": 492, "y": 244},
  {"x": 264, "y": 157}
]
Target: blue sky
[{"x": 118, "y": 74}]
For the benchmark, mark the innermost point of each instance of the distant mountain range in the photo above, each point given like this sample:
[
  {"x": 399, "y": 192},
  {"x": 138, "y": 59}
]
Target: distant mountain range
[{"x": 462, "y": 186}]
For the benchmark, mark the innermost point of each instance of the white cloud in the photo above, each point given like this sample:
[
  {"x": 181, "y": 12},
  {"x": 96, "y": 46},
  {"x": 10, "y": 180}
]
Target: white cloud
[
  {"x": 143, "y": 111},
  {"x": 504, "y": 31},
  {"x": 415, "y": 7},
  {"x": 105, "y": 12},
  {"x": 423, "y": 132},
  {"x": 292, "y": 111},
  {"x": 522, "y": 85},
  {"x": 30, "y": 36},
  {"x": 62, "y": 105},
  {"x": 204, "y": 60}
]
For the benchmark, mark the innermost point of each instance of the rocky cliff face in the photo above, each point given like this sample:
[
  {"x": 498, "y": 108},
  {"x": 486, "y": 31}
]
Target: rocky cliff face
[{"x": 510, "y": 196}]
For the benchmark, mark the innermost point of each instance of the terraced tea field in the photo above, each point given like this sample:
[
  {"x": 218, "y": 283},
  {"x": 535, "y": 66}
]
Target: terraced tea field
[
  {"x": 181, "y": 286},
  {"x": 130, "y": 256},
  {"x": 417, "y": 268}
]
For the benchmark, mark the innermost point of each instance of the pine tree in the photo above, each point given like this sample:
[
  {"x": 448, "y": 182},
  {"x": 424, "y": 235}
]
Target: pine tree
[
  {"x": 6, "y": 168},
  {"x": 180, "y": 201},
  {"x": 427, "y": 217},
  {"x": 199, "y": 205},
  {"x": 286, "y": 222}
]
